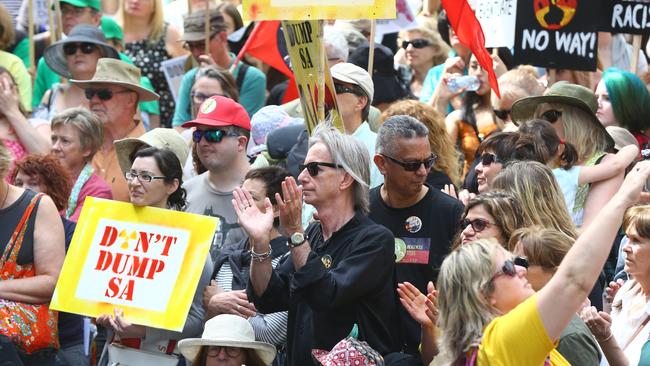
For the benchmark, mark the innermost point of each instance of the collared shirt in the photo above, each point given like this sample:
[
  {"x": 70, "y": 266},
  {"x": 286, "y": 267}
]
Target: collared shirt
[
  {"x": 369, "y": 138},
  {"x": 107, "y": 167},
  {"x": 347, "y": 280}
]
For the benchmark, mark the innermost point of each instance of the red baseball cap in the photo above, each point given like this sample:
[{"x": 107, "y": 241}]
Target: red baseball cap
[{"x": 220, "y": 111}]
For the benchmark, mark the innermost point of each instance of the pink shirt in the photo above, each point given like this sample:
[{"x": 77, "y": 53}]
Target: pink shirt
[{"x": 94, "y": 187}]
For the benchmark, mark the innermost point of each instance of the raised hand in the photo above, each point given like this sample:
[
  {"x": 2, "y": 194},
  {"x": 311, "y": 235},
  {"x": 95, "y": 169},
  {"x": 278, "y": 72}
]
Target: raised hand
[
  {"x": 257, "y": 224},
  {"x": 290, "y": 205},
  {"x": 423, "y": 309},
  {"x": 598, "y": 322}
]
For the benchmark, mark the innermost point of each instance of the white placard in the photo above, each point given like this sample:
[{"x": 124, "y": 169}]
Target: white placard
[
  {"x": 497, "y": 18},
  {"x": 174, "y": 69}
]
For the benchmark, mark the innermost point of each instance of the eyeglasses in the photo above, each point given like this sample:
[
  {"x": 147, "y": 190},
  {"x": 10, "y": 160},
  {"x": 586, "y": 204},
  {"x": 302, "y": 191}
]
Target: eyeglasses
[
  {"x": 142, "y": 178},
  {"x": 71, "y": 48},
  {"x": 509, "y": 267},
  {"x": 211, "y": 136},
  {"x": 417, "y": 43},
  {"x": 313, "y": 167},
  {"x": 103, "y": 94},
  {"x": 502, "y": 113},
  {"x": 487, "y": 159},
  {"x": 412, "y": 166},
  {"x": 214, "y": 351},
  {"x": 478, "y": 225},
  {"x": 199, "y": 98},
  {"x": 552, "y": 115},
  {"x": 340, "y": 89}
]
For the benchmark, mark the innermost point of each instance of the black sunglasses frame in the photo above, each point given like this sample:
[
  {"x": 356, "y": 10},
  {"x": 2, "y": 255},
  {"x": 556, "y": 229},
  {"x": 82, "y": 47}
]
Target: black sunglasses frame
[
  {"x": 103, "y": 94},
  {"x": 478, "y": 224},
  {"x": 314, "y": 167},
  {"x": 413, "y": 166},
  {"x": 551, "y": 116},
  {"x": 212, "y": 136},
  {"x": 86, "y": 48},
  {"x": 340, "y": 89},
  {"x": 502, "y": 113},
  {"x": 417, "y": 43},
  {"x": 487, "y": 159}
]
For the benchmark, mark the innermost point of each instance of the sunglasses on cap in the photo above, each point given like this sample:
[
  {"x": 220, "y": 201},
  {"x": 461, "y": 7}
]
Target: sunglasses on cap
[
  {"x": 340, "y": 89},
  {"x": 211, "y": 136},
  {"x": 502, "y": 113},
  {"x": 552, "y": 115},
  {"x": 103, "y": 94},
  {"x": 71, "y": 48},
  {"x": 417, "y": 43},
  {"x": 412, "y": 166},
  {"x": 478, "y": 225},
  {"x": 487, "y": 159},
  {"x": 314, "y": 167},
  {"x": 509, "y": 267}
]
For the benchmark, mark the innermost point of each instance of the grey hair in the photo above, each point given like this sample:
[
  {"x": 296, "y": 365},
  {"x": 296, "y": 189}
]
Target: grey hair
[
  {"x": 335, "y": 44},
  {"x": 89, "y": 126},
  {"x": 396, "y": 127},
  {"x": 352, "y": 155}
]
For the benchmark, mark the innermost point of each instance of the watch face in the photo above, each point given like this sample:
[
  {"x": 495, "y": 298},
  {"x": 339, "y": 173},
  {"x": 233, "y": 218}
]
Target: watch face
[{"x": 297, "y": 238}]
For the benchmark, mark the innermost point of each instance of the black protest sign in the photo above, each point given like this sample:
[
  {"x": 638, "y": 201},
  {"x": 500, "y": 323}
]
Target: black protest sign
[
  {"x": 624, "y": 17},
  {"x": 557, "y": 34}
]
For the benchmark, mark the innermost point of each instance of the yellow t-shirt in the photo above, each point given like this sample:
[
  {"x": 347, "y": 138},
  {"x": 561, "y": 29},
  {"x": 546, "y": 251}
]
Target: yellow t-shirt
[{"x": 518, "y": 339}]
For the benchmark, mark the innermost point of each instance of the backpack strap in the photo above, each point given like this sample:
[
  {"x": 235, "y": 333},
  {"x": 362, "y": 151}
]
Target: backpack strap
[
  {"x": 15, "y": 243},
  {"x": 241, "y": 74}
]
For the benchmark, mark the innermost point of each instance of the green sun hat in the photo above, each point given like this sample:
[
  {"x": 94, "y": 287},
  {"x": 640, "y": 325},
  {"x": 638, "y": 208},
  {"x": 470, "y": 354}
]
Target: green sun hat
[{"x": 111, "y": 29}]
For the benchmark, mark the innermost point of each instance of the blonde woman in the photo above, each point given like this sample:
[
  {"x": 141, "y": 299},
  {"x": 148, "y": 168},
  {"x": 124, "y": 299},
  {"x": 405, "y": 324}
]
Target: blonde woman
[
  {"x": 446, "y": 169},
  {"x": 544, "y": 250},
  {"x": 149, "y": 41},
  {"x": 497, "y": 318},
  {"x": 420, "y": 49},
  {"x": 535, "y": 187}
]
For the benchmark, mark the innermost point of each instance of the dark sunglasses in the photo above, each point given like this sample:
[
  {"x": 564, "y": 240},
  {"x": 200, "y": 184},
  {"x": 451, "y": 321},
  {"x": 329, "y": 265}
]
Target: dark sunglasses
[
  {"x": 552, "y": 115},
  {"x": 103, "y": 94},
  {"x": 502, "y": 113},
  {"x": 413, "y": 166},
  {"x": 313, "y": 167},
  {"x": 487, "y": 159},
  {"x": 71, "y": 48},
  {"x": 417, "y": 43},
  {"x": 509, "y": 267},
  {"x": 478, "y": 225},
  {"x": 211, "y": 135},
  {"x": 340, "y": 89}
]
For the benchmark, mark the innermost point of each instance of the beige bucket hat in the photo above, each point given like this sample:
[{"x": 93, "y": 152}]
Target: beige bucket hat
[
  {"x": 162, "y": 138},
  {"x": 116, "y": 72}
]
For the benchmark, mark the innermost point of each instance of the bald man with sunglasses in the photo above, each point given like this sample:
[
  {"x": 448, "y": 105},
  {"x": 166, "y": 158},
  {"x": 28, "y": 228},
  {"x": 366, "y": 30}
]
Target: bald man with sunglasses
[{"x": 423, "y": 220}]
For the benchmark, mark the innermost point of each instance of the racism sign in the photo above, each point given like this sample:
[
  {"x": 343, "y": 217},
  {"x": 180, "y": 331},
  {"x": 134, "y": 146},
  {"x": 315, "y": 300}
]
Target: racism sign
[
  {"x": 558, "y": 34},
  {"x": 624, "y": 17},
  {"x": 318, "y": 9},
  {"x": 146, "y": 261}
]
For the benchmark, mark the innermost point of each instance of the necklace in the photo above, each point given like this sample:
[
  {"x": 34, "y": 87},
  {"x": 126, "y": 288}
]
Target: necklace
[{"x": 6, "y": 195}]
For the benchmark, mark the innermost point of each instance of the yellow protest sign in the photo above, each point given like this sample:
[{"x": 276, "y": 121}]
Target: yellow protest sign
[
  {"x": 317, "y": 96},
  {"x": 146, "y": 261},
  {"x": 318, "y": 9}
]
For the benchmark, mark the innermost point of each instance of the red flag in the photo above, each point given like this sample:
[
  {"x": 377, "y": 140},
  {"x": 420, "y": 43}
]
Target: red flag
[{"x": 469, "y": 32}]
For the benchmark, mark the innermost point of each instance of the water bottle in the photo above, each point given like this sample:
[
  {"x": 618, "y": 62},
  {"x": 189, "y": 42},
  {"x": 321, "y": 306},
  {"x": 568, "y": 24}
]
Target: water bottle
[{"x": 468, "y": 82}]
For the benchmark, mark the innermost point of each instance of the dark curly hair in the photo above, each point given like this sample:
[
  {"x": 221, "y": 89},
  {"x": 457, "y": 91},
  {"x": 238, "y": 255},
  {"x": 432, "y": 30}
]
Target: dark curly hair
[
  {"x": 171, "y": 168},
  {"x": 50, "y": 174}
]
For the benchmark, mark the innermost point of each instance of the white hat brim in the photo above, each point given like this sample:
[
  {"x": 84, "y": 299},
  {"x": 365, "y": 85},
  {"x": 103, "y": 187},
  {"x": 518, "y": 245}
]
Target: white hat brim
[{"x": 191, "y": 347}]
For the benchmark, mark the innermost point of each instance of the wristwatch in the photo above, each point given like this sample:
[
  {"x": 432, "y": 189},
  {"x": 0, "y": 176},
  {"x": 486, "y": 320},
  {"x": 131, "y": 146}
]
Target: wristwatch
[{"x": 296, "y": 239}]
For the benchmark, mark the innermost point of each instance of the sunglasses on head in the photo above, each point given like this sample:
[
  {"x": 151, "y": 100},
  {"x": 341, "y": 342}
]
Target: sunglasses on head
[
  {"x": 417, "y": 43},
  {"x": 552, "y": 115},
  {"x": 103, "y": 94},
  {"x": 71, "y": 48},
  {"x": 487, "y": 159},
  {"x": 509, "y": 267},
  {"x": 340, "y": 89},
  {"x": 502, "y": 113},
  {"x": 314, "y": 167},
  {"x": 211, "y": 135},
  {"x": 478, "y": 225},
  {"x": 413, "y": 166}
]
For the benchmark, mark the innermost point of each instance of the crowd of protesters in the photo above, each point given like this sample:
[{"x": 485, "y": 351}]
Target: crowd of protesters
[{"x": 439, "y": 226}]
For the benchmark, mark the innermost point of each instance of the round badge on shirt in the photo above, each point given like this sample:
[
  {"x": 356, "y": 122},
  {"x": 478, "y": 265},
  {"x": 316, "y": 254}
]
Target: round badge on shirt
[
  {"x": 413, "y": 224},
  {"x": 400, "y": 249}
]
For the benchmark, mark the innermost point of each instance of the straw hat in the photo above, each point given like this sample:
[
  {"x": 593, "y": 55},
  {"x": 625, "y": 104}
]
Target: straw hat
[
  {"x": 230, "y": 331},
  {"x": 162, "y": 138},
  {"x": 82, "y": 33},
  {"x": 117, "y": 72}
]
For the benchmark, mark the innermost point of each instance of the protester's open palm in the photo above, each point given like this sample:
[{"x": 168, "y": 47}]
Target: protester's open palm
[
  {"x": 423, "y": 309},
  {"x": 256, "y": 223}
]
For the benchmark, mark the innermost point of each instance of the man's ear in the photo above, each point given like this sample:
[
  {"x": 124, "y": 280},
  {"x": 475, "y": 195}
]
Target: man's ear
[
  {"x": 346, "y": 181},
  {"x": 363, "y": 100},
  {"x": 242, "y": 143},
  {"x": 380, "y": 162}
]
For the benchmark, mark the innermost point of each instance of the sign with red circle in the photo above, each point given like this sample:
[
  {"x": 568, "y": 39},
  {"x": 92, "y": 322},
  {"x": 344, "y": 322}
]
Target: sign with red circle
[{"x": 554, "y": 14}]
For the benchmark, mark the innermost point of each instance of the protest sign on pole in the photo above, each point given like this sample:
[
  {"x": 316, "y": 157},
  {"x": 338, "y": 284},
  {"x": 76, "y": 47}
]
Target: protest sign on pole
[
  {"x": 318, "y": 9},
  {"x": 497, "y": 18},
  {"x": 405, "y": 19},
  {"x": 618, "y": 16},
  {"x": 146, "y": 261},
  {"x": 174, "y": 70},
  {"x": 30, "y": 25},
  {"x": 558, "y": 34}
]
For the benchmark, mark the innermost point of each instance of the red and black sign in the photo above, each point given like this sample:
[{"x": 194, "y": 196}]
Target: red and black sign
[{"x": 558, "y": 34}]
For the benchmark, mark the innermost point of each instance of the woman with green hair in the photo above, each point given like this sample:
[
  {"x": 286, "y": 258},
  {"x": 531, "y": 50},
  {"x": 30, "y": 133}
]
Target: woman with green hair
[{"x": 623, "y": 100}]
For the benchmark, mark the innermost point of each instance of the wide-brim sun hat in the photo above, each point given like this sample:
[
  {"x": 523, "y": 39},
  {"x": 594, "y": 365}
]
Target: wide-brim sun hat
[
  {"x": 227, "y": 330},
  {"x": 82, "y": 33},
  {"x": 117, "y": 72},
  {"x": 561, "y": 92},
  {"x": 162, "y": 138}
]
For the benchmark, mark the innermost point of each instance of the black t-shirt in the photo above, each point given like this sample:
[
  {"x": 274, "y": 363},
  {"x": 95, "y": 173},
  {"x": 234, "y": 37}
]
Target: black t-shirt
[
  {"x": 10, "y": 217},
  {"x": 438, "y": 179},
  {"x": 423, "y": 236}
]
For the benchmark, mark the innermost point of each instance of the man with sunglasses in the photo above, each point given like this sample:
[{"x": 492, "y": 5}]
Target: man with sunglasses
[
  {"x": 354, "y": 91},
  {"x": 251, "y": 82},
  {"x": 113, "y": 95},
  {"x": 423, "y": 220},
  {"x": 221, "y": 134}
]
